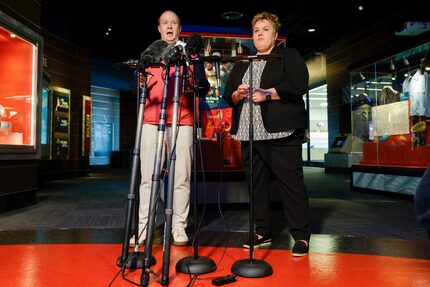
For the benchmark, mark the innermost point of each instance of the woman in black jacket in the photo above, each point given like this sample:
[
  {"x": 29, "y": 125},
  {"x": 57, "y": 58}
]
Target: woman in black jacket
[{"x": 279, "y": 123}]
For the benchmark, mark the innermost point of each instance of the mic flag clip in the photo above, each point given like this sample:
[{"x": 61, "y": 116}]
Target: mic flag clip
[
  {"x": 174, "y": 52},
  {"x": 192, "y": 46}
]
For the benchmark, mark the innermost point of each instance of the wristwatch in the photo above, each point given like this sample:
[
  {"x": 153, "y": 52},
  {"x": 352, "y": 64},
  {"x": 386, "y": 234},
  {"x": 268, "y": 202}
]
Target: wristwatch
[{"x": 268, "y": 96}]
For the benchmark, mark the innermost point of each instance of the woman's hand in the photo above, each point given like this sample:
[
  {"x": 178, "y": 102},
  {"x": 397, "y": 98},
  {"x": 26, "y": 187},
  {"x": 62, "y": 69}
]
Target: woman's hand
[
  {"x": 259, "y": 96},
  {"x": 241, "y": 93}
]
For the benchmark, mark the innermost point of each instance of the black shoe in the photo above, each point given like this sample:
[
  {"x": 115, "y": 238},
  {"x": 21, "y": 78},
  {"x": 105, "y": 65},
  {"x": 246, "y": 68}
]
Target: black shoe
[
  {"x": 300, "y": 248},
  {"x": 264, "y": 241}
]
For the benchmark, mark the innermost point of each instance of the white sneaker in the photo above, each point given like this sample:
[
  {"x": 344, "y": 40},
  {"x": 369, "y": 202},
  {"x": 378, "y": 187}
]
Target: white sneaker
[
  {"x": 180, "y": 237},
  {"x": 141, "y": 240}
]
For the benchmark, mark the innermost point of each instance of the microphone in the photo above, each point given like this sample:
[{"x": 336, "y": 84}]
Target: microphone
[
  {"x": 194, "y": 44},
  {"x": 182, "y": 44},
  {"x": 166, "y": 52},
  {"x": 174, "y": 52},
  {"x": 217, "y": 68},
  {"x": 152, "y": 54}
]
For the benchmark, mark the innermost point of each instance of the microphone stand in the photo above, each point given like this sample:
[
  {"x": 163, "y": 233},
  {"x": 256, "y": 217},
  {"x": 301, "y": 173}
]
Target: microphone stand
[
  {"x": 251, "y": 267},
  {"x": 144, "y": 279},
  {"x": 171, "y": 182},
  {"x": 195, "y": 264},
  {"x": 135, "y": 259}
]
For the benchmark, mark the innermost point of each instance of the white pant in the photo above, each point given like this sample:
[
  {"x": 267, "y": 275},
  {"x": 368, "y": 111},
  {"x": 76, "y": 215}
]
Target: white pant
[{"x": 183, "y": 163}]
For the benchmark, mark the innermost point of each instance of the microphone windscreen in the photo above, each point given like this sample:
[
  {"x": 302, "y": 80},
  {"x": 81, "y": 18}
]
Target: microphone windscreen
[
  {"x": 145, "y": 61},
  {"x": 153, "y": 54},
  {"x": 194, "y": 44}
]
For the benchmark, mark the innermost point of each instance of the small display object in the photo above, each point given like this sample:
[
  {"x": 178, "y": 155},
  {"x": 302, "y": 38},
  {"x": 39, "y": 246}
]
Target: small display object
[
  {"x": 86, "y": 125},
  {"x": 60, "y": 123},
  {"x": 391, "y": 119},
  {"x": 341, "y": 144},
  {"x": 7, "y": 136}
]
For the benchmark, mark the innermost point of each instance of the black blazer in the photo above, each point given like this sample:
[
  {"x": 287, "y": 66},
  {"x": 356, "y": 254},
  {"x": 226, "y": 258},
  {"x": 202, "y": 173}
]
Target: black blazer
[{"x": 289, "y": 76}]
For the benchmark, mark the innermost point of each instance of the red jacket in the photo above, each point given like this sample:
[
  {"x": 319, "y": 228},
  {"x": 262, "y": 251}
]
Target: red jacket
[{"x": 155, "y": 92}]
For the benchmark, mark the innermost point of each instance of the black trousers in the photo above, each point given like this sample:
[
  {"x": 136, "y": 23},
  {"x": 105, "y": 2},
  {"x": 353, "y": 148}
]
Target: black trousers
[{"x": 281, "y": 159}]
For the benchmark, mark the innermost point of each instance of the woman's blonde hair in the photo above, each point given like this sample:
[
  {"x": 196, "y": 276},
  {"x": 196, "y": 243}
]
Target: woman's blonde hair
[{"x": 272, "y": 18}]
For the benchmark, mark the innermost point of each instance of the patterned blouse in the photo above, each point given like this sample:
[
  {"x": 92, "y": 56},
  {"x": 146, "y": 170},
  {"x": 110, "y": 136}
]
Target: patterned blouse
[{"x": 260, "y": 133}]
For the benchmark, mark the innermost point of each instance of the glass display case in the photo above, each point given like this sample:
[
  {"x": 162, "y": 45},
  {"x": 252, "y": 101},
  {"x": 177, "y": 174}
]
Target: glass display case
[
  {"x": 390, "y": 110},
  {"x": 21, "y": 52},
  {"x": 17, "y": 91},
  {"x": 20, "y": 67}
]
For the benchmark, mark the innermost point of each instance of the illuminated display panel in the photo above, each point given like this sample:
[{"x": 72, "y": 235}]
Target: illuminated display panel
[{"x": 18, "y": 90}]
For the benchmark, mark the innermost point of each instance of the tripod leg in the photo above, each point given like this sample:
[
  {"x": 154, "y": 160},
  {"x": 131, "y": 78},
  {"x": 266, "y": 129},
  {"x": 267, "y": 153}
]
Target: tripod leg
[
  {"x": 134, "y": 260},
  {"x": 134, "y": 175},
  {"x": 170, "y": 189},
  {"x": 144, "y": 279}
]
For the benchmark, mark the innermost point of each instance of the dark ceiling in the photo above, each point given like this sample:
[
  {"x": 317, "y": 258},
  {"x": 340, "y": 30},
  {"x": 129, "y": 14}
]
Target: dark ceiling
[{"x": 134, "y": 23}]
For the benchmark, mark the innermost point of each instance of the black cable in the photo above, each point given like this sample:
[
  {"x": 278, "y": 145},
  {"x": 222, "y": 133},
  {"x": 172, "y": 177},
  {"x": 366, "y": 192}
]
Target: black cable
[
  {"x": 114, "y": 278},
  {"x": 196, "y": 277},
  {"x": 122, "y": 270},
  {"x": 221, "y": 214}
]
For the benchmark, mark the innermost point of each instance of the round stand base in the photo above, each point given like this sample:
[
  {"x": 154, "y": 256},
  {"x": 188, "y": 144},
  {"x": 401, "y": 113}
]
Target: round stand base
[
  {"x": 251, "y": 269},
  {"x": 135, "y": 260},
  {"x": 198, "y": 265}
]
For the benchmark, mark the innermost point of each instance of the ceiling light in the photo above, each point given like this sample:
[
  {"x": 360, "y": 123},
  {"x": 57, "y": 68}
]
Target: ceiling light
[
  {"x": 360, "y": 8},
  {"x": 392, "y": 67},
  {"x": 310, "y": 30},
  {"x": 231, "y": 15}
]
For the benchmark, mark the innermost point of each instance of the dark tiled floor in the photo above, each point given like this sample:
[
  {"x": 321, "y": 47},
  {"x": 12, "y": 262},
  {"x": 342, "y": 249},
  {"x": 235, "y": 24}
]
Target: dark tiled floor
[{"x": 100, "y": 200}]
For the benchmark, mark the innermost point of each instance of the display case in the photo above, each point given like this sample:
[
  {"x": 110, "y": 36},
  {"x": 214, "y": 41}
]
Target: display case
[
  {"x": 21, "y": 52},
  {"x": 20, "y": 67},
  {"x": 390, "y": 110}
]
